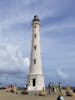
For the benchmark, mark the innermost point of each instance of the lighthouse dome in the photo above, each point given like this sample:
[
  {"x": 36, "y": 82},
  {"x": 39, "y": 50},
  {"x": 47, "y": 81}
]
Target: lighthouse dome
[{"x": 36, "y": 18}]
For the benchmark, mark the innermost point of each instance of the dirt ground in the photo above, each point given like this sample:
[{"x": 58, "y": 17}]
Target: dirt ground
[{"x": 12, "y": 96}]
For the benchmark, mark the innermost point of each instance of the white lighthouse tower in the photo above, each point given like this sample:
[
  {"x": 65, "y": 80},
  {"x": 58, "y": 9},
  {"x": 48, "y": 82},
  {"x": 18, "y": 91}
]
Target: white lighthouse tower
[{"x": 35, "y": 79}]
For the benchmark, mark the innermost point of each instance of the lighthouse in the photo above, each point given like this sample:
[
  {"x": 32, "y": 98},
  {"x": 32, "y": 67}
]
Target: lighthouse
[{"x": 35, "y": 78}]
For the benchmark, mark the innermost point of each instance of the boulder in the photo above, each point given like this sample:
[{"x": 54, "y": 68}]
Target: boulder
[{"x": 69, "y": 91}]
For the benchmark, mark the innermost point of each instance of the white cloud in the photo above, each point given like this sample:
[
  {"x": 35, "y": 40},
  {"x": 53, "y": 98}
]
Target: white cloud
[
  {"x": 62, "y": 74},
  {"x": 12, "y": 57},
  {"x": 27, "y": 61}
]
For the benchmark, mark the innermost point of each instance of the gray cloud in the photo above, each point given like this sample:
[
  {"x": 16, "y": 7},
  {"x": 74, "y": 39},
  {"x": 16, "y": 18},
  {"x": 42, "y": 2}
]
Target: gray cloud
[{"x": 57, "y": 34}]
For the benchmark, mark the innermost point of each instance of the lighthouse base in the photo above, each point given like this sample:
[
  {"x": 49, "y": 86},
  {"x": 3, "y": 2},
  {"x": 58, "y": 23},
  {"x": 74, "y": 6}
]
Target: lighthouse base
[{"x": 35, "y": 82}]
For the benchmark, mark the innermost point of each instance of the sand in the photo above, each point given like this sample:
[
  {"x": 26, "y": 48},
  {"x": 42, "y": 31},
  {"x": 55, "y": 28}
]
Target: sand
[{"x": 12, "y": 96}]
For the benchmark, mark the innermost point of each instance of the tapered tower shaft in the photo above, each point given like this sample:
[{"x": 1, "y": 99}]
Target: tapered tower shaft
[{"x": 35, "y": 77}]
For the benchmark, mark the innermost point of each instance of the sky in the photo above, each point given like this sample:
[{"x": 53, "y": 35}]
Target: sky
[{"x": 57, "y": 33}]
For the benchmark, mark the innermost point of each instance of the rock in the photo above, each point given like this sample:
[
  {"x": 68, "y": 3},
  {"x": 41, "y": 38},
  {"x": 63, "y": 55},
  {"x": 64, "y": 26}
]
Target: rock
[{"x": 69, "y": 91}]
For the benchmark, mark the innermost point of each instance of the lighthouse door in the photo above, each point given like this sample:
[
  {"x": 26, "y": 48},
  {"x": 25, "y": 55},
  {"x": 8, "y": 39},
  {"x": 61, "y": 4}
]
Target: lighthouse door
[{"x": 34, "y": 82}]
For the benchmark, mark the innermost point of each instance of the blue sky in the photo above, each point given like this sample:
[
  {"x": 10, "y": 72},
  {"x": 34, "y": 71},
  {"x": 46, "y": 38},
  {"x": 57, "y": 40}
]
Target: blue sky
[{"x": 57, "y": 39}]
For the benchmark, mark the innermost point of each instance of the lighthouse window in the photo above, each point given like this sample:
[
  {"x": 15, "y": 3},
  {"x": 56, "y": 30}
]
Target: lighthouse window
[
  {"x": 35, "y": 47},
  {"x": 34, "y": 26},
  {"x": 34, "y": 82},
  {"x": 35, "y": 35},
  {"x": 34, "y": 61}
]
